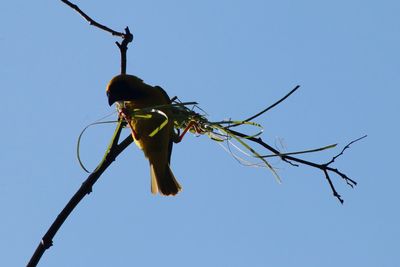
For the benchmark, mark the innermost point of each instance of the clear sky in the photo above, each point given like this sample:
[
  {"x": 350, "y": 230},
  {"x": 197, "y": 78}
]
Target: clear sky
[{"x": 234, "y": 58}]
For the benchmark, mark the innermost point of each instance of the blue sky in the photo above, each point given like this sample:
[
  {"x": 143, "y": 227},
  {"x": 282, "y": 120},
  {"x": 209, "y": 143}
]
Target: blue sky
[{"x": 234, "y": 58}]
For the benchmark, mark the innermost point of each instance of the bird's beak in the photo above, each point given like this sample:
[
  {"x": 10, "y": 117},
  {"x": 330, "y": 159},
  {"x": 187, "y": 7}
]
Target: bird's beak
[{"x": 111, "y": 99}]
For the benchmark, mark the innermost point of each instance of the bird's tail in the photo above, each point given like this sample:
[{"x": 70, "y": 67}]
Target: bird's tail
[{"x": 163, "y": 181}]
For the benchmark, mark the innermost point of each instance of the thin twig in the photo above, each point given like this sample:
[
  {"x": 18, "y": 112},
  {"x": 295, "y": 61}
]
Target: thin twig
[
  {"x": 92, "y": 21},
  {"x": 127, "y": 36},
  {"x": 113, "y": 151},
  {"x": 324, "y": 167},
  {"x": 85, "y": 189},
  {"x": 346, "y": 147},
  {"x": 123, "y": 48},
  {"x": 268, "y": 108}
]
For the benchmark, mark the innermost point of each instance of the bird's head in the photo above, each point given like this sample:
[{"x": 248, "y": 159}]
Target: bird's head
[{"x": 123, "y": 88}]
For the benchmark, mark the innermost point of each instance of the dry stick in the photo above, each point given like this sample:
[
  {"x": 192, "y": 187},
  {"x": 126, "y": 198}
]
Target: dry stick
[
  {"x": 86, "y": 188},
  {"x": 114, "y": 150},
  {"x": 268, "y": 108},
  {"x": 91, "y": 21},
  {"x": 127, "y": 36},
  {"x": 324, "y": 167},
  {"x": 123, "y": 48}
]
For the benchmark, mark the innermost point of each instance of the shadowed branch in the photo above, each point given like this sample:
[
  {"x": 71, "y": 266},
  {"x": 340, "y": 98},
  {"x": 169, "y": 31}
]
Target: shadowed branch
[
  {"x": 112, "y": 153},
  {"x": 86, "y": 188},
  {"x": 92, "y": 21},
  {"x": 323, "y": 167},
  {"x": 268, "y": 108},
  {"x": 127, "y": 36}
]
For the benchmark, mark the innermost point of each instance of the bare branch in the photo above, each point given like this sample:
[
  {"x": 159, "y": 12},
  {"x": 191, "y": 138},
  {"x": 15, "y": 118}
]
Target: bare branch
[
  {"x": 127, "y": 36},
  {"x": 113, "y": 151},
  {"x": 335, "y": 193},
  {"x": 268, "y": 108},
  {"x": 123, "y": 48},
  {"x": 324, "y": 167},
  {"x": 346, "y": 147},
  {"x": 91, "y": 21},
  {"x": 85, "y": 189}
]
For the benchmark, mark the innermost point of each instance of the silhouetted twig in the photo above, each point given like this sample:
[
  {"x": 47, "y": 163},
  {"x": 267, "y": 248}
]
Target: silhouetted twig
[
  {"x": 92, "y": 21},
  {"x": 114, "y": 149},
  {"x": 268, "y": 108},
  {"x": 85, "y": 189},
  {"x": 123, "y": 48},
  {"x": 323, "y": 167},
  {"x": 127, "y": 36}
]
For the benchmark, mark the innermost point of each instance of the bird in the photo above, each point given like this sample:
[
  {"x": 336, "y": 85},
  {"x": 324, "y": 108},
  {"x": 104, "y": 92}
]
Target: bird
[{"x": 132, "y": 93}]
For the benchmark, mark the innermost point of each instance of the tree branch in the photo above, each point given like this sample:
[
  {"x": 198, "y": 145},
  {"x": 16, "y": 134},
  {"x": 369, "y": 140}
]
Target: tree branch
[
  {"x": 85, "y": 189},
  {"x": 323, "y": 167},
  {"x": 92, "y": 21},
  {"x": 268, "y": 108},
  {"x": 127, "y": 36},
  {"x": 112, "y": 153},
  {"x": 123, "y": 48}
]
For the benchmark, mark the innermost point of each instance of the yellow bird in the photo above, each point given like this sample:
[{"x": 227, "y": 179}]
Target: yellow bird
[{"x": 132, "y": 93}]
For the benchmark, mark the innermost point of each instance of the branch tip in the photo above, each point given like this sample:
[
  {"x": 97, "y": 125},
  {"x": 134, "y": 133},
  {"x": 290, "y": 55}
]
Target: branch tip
[
  {"x": 92, "y": 21},
  {"x": 268, "y": 108},
  {"x": 325, "y": 168}
]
